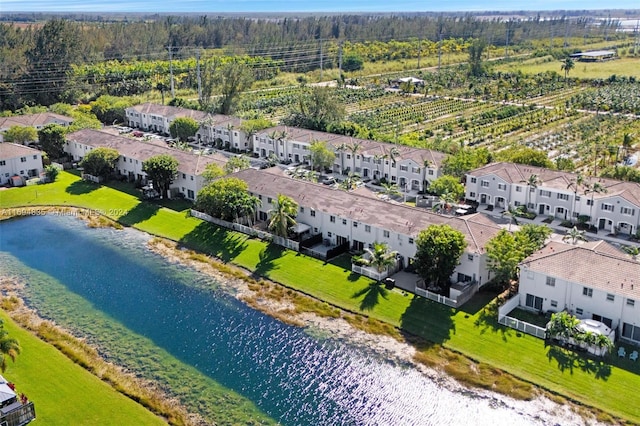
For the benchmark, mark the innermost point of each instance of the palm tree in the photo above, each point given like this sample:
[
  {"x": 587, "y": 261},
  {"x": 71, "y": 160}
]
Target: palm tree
[
  {"x": 447, "y": 199},
  {"x": 8, "y": 347},
  {"x": 574, "y": 235},
  {"x": 593, "y": 188},
  {"x": 393, "y": 154},
  {"x": 230, "y": 128},
  {"x": 532, "y": 184},
  {"x": 354, "y": 150},
  {"x": 627, "y": 141},
  {"x": 282, "y": 135},
  {"x": 575, "y": 184},
  {"x": 389, "y": 189},
  {"x": 377, "y": 158},
  {"x": 282, "y": 216},
  {"x": 351, "y": 181},
  {"x": 341, "y": 149},
  {"x": 567, "y": 65},
  {"x": 378, "y": 257}
]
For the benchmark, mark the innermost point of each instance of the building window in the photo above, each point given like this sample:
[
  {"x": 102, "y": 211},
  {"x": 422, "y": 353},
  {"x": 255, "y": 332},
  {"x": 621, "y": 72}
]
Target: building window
[
  {"x": 430, "y": 172},
  {"x": 415, "y": 170},
  {"x": 607, "y": 207},
  {"x": 23, "y": 159},
  {"x": 564, "y": 197},
  {"x": 473, "y": 180},
  {"x": 269, "y": 200},
  {"x": 484, "y": 184},
  {"x": 631, "y": 302},
  {"x": 518, "y": 189},
  {"x": 577, "y": 198},
  {"x": 589, "y": 202},
  {"x": 586, "y": 291},
  {"x": 610, "y": 297},
  {"x": 332, "y": 219},
  {"x": 184, "y": 176},
  {"x": 544, "y": 193},
  {"x": 344, "y": 221},
  {"x": 313, "y": 213},
  {"x": 470, "y": 257},
  {"x": 534, "y": 302},
  {"x": 579, "y": 311},
  {"x": 404, "y": 168},
  {"x": 410, "y": 240},
  {"x": 630, "y": 331},
  {"x": 502, "y": 186},
  {"x": 472, "y": 194},
  {"x": 191, "y": 177},
  {"x": 3, "y": 163},
  {"x": 367, "y": 228},
  {"x": 551, "y": 281},
  {"x": 301, "y": 209},
  {"x": 627, "y": 211},
  {"x": 355, "y": 224},
  {"x": 35, "y": 157},
  {"x": 554, "y": 303},
  {"x": 385, "y": 234},
  {"x": 329, "y": 234}
]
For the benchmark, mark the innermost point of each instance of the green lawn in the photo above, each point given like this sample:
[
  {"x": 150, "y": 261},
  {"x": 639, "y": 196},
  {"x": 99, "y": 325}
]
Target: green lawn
[
  {"x": 590, "y": 70},
  {"x": 63, "y": 392},
  {"x": 471, "y": 330}
]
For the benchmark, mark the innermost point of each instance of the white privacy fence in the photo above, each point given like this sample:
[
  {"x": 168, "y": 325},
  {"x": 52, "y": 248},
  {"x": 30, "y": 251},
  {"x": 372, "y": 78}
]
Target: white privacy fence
[
  {"x": 515, "y": 323},
  {"x": 263, "y": 235}
]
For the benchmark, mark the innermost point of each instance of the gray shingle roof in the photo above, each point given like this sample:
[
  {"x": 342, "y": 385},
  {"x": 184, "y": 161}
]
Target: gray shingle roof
[
  {"x": 32, "y": 120},
  {"x": 189, "y": 163},
  {"x": 12, "y": 150},
  {"x": 477, "y": 228}
]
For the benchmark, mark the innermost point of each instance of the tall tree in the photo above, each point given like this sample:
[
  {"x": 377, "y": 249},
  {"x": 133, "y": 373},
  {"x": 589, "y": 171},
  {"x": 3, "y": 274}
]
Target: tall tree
[
  {"x": 476, "y": 66},
  {"x": 212, "y": 172},
  {"x": 317, "y": 108},
  {"x": 20, "y": 134},
  {"x": 354, "y": 149},
  {"x": 226, "y": 79},
  {"x": 438, "y": 251},
  {"x": 575, "y": 185},
  {"x": 52, "y": 140},
  {"x": 183, "y": 128},
  {"x": 8, "y": 347},
  {"x": 237, "y": 163},
  {"x": 504, "y": 254},
  {"x": 283, "y": 215},
  {"x": 532, "y": 184},
  {"x": 100, "y": 162},
  {"x": 593, "y": 188},
  {"x": 162, "y": 170},
  {"x": 321, "y": 156},
  {"x": 228, "y": 199},
  {"x": 447, "y": 184},
  {"x": 55, "y": 49}
]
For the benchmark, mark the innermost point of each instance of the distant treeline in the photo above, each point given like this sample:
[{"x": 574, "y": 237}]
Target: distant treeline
[{"x": 36, "y": 61}]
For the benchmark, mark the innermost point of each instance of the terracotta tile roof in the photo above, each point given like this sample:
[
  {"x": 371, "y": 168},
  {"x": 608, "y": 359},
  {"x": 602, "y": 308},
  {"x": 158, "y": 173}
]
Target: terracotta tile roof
[
  {"x": 189, "y": 163},
  {"x": 596, "y": 264},
  {"x": 12, "y": 150},
  {"x": 33, "y": 120},
  {"x": 477, "y": 228}
]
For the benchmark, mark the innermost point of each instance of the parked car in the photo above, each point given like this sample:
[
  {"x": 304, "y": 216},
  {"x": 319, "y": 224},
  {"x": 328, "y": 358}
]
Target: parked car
[{"x": 329, "y": 181}]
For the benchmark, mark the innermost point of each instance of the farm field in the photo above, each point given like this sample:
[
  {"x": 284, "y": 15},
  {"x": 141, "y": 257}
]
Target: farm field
[{"x": 621, "y": 67}]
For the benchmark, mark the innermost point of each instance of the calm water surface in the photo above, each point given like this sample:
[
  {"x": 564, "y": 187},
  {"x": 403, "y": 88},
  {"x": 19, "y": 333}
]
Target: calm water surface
[{"x": 295, "y": 378}]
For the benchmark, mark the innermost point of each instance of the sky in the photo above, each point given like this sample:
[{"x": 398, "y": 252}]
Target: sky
[{"x": 223, "y": 6}]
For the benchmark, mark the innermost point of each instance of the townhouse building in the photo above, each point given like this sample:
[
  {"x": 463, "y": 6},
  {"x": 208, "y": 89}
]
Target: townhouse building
[
  {"x": 38, "y": 121},
  {"x": 157, "y": 118},
  {"x": 592, "y": 280},
  {"x": 18, "y": 163},
  {"x": 134, "y": 153},
  {"x": 408, "y": 167},
  {"x": 360, "y": 220},
  {"x": 224, "y": 131},
  {"x": 608, "y": 204}
]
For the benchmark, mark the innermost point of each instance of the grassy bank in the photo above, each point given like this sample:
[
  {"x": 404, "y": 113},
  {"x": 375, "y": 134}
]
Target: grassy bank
[
  {"x": 472, "y": 330},
  {"x": 64, "y": 393}
]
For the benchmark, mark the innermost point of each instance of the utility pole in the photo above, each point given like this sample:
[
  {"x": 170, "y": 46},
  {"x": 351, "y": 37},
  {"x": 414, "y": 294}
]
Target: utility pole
[
  {"x": 419, "y": 50},
  {"x": 340, "y": 59},
  {"x": 321, "y": 55},
  {"x": 506, "y": 45},
  {"x": 439, "y": 50},
  {"x": 173, "y": 89},
  {"x": 199, "y": 77}
]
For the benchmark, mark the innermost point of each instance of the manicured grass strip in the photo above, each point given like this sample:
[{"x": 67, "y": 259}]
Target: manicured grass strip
[
  {"x": 63, "y": 392},
  {"x": 471, "y": 331}
]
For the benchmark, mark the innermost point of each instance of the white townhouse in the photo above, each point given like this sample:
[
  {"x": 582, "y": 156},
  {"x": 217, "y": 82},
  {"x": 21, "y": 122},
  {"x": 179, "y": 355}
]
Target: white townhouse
[
  {"x": 38, "y": 121},
  {"x": 592, "y": 280},
  {"x": 157, "y": 118},
  {"x": 558, "y": 194},
  {"x": 224, "y": 131},
  {"x": 19, "y": 161},
  {"x": 133, "y": 153},
  {"x": 361, "y": 220},
  {"x": 408, "y": 167}
]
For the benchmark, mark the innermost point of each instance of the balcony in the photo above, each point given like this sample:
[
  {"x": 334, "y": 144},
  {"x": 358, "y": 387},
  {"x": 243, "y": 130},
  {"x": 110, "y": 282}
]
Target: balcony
[{"x": 17, "y": 414}]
